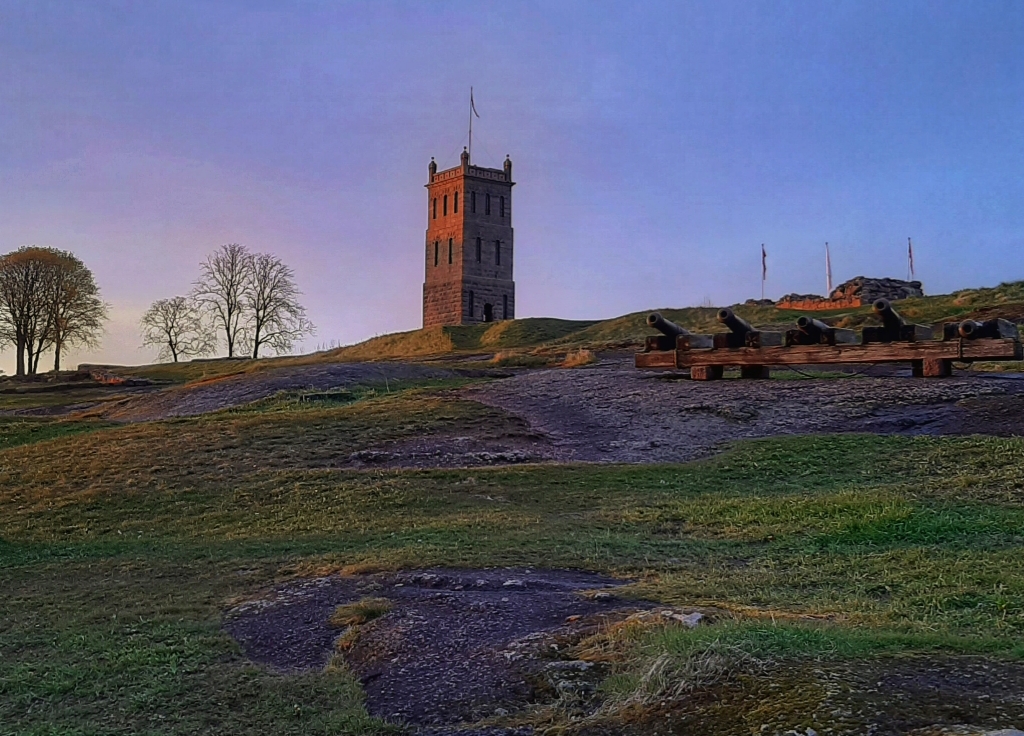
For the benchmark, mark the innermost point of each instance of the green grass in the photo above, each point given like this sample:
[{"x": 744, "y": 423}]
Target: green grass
[
  {"x": 121, "y": 546},
  {"x": 16, "y": 431}
]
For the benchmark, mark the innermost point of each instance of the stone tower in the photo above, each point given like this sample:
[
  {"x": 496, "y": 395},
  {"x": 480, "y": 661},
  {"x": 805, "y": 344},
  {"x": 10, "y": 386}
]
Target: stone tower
[{"x": 469, "y": 245}]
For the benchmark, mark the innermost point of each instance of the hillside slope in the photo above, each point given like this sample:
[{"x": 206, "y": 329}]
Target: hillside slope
[{"x": 550, "y": 337}]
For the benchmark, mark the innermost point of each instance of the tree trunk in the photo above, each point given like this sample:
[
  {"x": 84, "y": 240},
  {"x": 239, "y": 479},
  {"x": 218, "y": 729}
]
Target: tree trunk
[
  {"x": 21, "y": 356},
  {"x": 56, "y": 357}
]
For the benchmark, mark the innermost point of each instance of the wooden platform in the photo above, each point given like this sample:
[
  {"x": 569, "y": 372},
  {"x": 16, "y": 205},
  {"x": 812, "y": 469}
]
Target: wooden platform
[{"x": 931, "y": 358}]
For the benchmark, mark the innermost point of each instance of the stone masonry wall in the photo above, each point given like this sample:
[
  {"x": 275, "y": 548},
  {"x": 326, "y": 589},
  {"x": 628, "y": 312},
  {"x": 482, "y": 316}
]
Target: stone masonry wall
[{"x": 447, "y": 287}]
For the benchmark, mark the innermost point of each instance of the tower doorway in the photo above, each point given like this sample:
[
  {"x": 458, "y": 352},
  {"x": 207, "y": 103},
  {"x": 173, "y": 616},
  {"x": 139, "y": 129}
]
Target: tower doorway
[{"x": 488, "y": 313}]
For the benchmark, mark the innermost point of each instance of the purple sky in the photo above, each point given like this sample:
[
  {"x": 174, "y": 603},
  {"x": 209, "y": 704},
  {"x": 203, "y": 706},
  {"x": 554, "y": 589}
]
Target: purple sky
[{"x": 655, "y": 146}]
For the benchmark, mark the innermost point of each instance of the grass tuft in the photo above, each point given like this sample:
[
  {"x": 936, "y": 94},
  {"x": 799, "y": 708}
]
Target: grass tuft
[
  {"x": 576, "y": 358},
  {"x": 360, "y": 612}
]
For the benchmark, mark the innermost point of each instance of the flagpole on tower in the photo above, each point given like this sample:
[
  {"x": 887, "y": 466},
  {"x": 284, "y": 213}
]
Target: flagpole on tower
[{"x": 472, "y": 112}]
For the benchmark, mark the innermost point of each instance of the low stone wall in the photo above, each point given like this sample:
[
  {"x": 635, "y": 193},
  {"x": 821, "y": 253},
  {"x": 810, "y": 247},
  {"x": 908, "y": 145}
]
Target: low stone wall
[{"x": 812, "y": 303}]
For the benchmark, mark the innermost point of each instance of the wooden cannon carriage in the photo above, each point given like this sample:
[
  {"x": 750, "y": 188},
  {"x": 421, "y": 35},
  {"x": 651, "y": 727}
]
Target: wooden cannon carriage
[{"x": 814, "y": 343}]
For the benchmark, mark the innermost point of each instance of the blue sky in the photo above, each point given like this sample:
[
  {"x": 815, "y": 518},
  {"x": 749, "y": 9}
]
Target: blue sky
[{"x": 656, "y": 145}]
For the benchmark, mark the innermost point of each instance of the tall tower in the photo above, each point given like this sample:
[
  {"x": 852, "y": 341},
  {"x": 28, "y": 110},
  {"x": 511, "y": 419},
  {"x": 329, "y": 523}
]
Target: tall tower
[{"x": 469, "y": 245}]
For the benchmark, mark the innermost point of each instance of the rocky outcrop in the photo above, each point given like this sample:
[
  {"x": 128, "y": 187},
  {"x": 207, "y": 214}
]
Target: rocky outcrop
[
  {"x": 871, "y": 289},
  {"x": 853, "y": 293}
]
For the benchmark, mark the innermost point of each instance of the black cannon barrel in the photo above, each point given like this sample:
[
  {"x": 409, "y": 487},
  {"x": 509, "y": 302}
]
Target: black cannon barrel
[
  {"x": 991, "y": 328},
  {"x": 735, "y": 324},
  {"x": 811, "y": 325},
  {"x": 971, "y": 329},
  {"x": 889, "y": 316},
  {"x": 662, "y": 325}
]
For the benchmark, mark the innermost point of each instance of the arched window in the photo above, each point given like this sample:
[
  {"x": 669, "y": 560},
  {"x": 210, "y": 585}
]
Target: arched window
[
  {"x": 437, "y": 249},
  {"x": 472, "y": 202},
  {"x": 504, "y": 306},
  {"x": 487, "y": 204},
  {"x": 502, "y": 206},
  {"x": 455, "y": 204},
  {"x": 434, "y": 210},
  {"x": 449, "y": 250},
  {"x": 497, "y": 252},
  {"x": 471, "y": 304},
  {"x": 444, "y": 207},
  {"x": 479, "y": 248}
]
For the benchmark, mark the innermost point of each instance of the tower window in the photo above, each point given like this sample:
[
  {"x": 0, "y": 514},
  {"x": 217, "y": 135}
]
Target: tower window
[
  {"x": 504, "y": 306},
  {"x": 479, "y": 248},
  {"x": 471, "y": 304},
  {"x": 502, "y": 206},
  {"x": 437, "y": 247},
  {"x": 472, "y": 202},
  {"x": 455, "y": 204},
  {"x": 487, "y": 204},
  {"x": 444, "y": 207},
  {"x": 434, "y": 210},
  {"x": 497, "y": 252},
  {"x": 449, "y": 250}
]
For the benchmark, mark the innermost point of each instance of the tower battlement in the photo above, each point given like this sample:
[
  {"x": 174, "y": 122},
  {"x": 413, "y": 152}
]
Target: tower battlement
[{"x": 469, "y": 245}]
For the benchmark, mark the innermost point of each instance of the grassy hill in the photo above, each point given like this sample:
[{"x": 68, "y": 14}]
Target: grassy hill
[{"x": 549, "y": 339}]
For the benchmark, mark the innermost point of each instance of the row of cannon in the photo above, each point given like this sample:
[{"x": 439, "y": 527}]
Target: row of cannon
[{"x": 810, "y": 331}]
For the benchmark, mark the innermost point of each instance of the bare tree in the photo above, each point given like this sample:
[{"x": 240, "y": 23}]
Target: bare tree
[
  {"x": 31, "y": 290},
  {"x": 48, "y": 299},
  {"x": 221, "y": 291},
  {"x": 176, "y": 326},
  {"x": 76, "y": 312},
  {"x": 276, "y": 319}
]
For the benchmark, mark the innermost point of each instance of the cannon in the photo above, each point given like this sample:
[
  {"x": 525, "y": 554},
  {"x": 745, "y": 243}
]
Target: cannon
[
  {"x": 970, "y": 329},
  {"x": 741, "y": 334},
  {"x": 670, "y": 333},
  {"x": 812, "y": 327},
  {"x": 894, "y": 328},
  {"x": 810, "y": 331},
  {"x": 736, "y": 325},
  {"x": 891, "y": 319},
  {"x": 662, "y": 325}
]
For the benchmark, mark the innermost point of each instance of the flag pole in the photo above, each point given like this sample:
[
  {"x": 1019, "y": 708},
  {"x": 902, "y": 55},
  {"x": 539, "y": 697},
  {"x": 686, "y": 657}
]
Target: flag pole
[
  {"x": 764, "y": 269},
  {"x": 470, "y": 124},
  {"x": 828, "y": 272}
]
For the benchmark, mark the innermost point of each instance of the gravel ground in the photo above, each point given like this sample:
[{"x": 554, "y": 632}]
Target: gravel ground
[
  {"x": 611, "y": 412},
  {"x": 457, "y": 646}
]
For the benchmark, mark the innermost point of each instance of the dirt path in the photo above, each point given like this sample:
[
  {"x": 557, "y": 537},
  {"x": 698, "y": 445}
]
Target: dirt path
[{"x": 611, "y": 412}]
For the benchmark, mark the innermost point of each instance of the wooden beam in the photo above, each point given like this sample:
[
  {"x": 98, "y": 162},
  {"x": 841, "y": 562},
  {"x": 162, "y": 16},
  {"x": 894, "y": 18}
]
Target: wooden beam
[
  {"x": 936, "y": 368},
  {"x": 706, "y": 372},
  {"x": 659, "y": 360},
  {"x": 960, "y": 350}
]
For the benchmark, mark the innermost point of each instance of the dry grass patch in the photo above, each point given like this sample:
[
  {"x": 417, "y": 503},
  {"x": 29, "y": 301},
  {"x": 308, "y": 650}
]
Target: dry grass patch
[
  {"x": 576, "y": 358},
  {"x": 358, "y": 613}
]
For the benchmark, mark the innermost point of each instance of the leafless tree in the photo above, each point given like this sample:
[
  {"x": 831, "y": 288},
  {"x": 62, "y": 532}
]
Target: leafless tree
[
  {"x": 221, "y": 291},
  {"x": 76, "y": 311},
  {"x": 22, "y": 307},
  {"x": 48, "y": 298},
  {"x": 176, "y": 326},
  {"x": 276, "y": 318}
]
